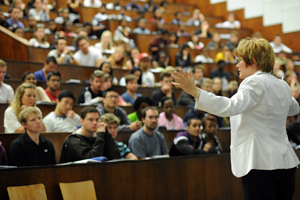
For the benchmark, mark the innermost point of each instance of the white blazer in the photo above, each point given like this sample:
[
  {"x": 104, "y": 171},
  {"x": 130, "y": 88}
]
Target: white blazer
[{"x": 258, "y": 113}]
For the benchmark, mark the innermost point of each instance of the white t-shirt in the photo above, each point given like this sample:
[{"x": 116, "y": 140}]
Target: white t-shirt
[
  {"x": 11, "y": 122},
  {"x": 55, "y": 123},
  {"x": 148, "y": 78},
  {"x": 203, "y": 59},
  {"x": 90, "y": 58},
  {"x": 228, "y": 24},
  {"x": 6, "y": 93},
  {"x": 35, "y": 43}
]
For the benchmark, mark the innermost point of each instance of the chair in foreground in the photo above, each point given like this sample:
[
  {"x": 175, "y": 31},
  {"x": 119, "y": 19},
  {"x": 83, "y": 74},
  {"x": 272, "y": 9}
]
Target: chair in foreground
[
  {"x": 27, "y": 192},
  {"x": 78, "y": 190}
]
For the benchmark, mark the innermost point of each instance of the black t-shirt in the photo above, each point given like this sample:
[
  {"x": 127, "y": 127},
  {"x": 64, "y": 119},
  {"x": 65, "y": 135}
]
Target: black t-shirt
[
  {"x": 81, "y": 98},
  {"x": 24, "y": 151},
  {"x": 157, "y": 95}
]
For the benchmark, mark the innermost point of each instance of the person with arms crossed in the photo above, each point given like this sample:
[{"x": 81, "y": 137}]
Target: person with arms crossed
[{"x": 260, "y": 150}]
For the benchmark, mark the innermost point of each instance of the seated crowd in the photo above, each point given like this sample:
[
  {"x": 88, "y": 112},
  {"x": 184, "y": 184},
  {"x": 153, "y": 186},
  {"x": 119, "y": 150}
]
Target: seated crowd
[{"x": 93, "y": 131}]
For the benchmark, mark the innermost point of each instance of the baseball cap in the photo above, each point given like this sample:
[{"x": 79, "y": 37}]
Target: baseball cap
[{"x": 143, "y": 55}]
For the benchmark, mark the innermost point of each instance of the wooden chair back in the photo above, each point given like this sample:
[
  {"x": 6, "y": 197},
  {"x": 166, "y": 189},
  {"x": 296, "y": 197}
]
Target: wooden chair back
[
  {"x": 78, "y": 190},
  {"x": 27, "y": 192}
]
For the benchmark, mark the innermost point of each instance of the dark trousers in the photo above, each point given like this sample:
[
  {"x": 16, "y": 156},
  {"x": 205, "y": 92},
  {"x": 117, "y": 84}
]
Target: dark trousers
[{"x": 269, "y": 184}]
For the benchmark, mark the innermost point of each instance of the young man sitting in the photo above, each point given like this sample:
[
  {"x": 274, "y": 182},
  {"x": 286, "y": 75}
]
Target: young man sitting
[
  {"x": 112, "y": 122},
  {"x": 131, "y": 85},
  {"x": 90, "y": 141},
  {"x": 53, "y": 85},
  {"x": 63, "y": 119},
  {"x": 31, "y": 149}
]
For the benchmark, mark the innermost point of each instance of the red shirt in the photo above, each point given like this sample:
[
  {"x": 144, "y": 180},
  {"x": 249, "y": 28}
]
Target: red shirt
[{"x": 51, "y": 96}]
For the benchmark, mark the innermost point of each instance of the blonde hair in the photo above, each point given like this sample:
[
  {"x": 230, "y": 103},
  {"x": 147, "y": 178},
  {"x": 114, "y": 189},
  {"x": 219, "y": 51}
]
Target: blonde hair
[
  {"x": 130, "y": 77},
  {"x": 109, "y": 118},
  {"x": 112, "y": 60},
  {"x": 17, "y": 101},
  {"x": 27, "y": 111},
  {"x": 3, "y": 64},
  {"x": 110, "y": 44},
  {"x": 259, "y": 51}
]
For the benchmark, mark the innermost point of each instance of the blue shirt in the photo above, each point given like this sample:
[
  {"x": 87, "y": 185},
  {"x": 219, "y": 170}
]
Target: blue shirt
[
  {"x": 18, "y": 24},
  {"x": 128, "y": 98},
  {"x": 124, "y": 150},
  {"x": 39, "y": 75},
  {"x": 139, "y": 30}
]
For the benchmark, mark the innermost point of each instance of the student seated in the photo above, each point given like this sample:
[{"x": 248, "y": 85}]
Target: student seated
[
  {"x": 164, "y": 90},
  {"x": 24, "y": 97},
  {"x": 109, "y": 105},
  {"x": 168, "y": 118},
  {"x": 38, "y": 12},
  {"x": 50, "y": 65},
  {"x": 39, "y": 39},
  {"x": 90, "y": 141},
  {"x": 139, "y": 104},
  {"x": 40, "y": 95},
  {"x": 92, "y": 94},
  {"x": 63, "y": 118},
  {"x": 31, "y": 149},
  {"x": 131, "y": 85},
  {"x": 112, "y": 123},
  {"x": 107, "y": 68},
  {"x": 190, "y": 142},
  {"x": 209, "y": 124},
  {"x": 6, "y": 91},
  {"x": 53, "y": 85},
  {"x": 147, "y": 141}
]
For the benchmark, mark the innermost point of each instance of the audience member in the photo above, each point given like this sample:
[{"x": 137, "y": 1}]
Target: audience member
[
  {"x": 52, "y": 28},
  {"x": 122, "y": 15},
  {"x": 217, "y": 86},
  {"x": 106, "y": 43},
  {"x": 196, "y": 19},
  {"x": 289, "y": 66},
  {"x": 39, "y": 39},
  {"x": 87, "y": 55},
  {"x": 38, "y": 12},
  {"x": 162, "y": 60},
  {"x": 150, "y": 6},
  {"x": 92, "y": 140},
  {"x": 158, "y": 42},
  {"x": 157, "y": 17},
  {"x": 24, "y": 97},
  {"x": 74, "y": 6},
  {"x": 215, "y": 43},
  {"x": 173, "y": 37},
  {"x": 63, "y": 118},
  {"x": 122, "y": 31},
  {"x": 234, "y": 40},
  {"x": 209, "y": 124},
  {"x": 203, "y": 31},
  {"x": 90, "y": 30},
  {"x": 134, "y": 58},
  {"x": 30, "y": 148},
  {"x": 117, "y": 59},
  {"x": 53, "y": 85},
  {"x": 204, "y": 57},
  {"x": 256, "y": 35},
  {"x": 183, "y": 57},
  {"x": 139, "y": 104},
  {"x": 135, "y": 71},
  {"x": 190, "y": 142},
  {"x": 109, "y": 105},
  {"x": 6, "y": 91},
  {"x": 112, "y": 123},
  {"x": 232, "y": 88},
  {"x": 64, "y": 16},
  {"x": 100, "y": 16},
  {"x": 164, "y": 7},
  {"x": 31, "y": 22},
  {"x": 230, "y": 23},
  {"x": 13, "y": 21},
  {"x": 40, "y": 94},
  {"x": 278, "y": 46},
  {"x": 140, "y": 15},
  {"x": 168, "y": 118},
  {"x": 148, "y": 78},
  {"x": 106, "y": 67},
  {"x": 147, "y": 141},
  {"x": 207, "y": 85},
  {"x": 219, "y": 71},
  {"x": 181, "y": 32},
  {"x": 133, "y": 6},
  {"x": 3, "y": 22},
  {"x": 66, "y": 30},
  {"x": 22, "y": 6},
  {"x": 195, "y": 42},
  {"x": 92, "y": 94},
  {"x": 178, "y": 18},
  {"x": 62, "y": 53},
  {"x": 141, "y": 28},
  {"x": 225, "y": 55},
  {"x": 90, "y": 3},
  {"x": 131, "y": 87},
  {"x": 19, "y": 32},
  {"x": 290, "y": 78},
  {"x": 50, "y": 65},
  {"x": 107, "y": 82},
  {"x": 165, "y": 89}
]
